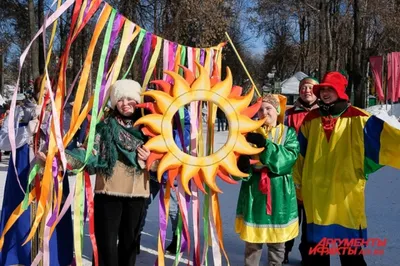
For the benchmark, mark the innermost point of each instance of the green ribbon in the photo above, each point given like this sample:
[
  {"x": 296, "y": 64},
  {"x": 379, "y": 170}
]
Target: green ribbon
[
  {"x": 178, "y": 234},
  {"x": 99, "y": 79},
  {"x": 183, "y": 57},
  {"x": 139, "y": 42},
  {"x": 32, "y": 175},
  {"x": 206, "y": 222}
]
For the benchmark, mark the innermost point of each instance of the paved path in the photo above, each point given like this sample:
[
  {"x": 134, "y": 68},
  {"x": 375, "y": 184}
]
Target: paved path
[{"x": 382, "y": 207}]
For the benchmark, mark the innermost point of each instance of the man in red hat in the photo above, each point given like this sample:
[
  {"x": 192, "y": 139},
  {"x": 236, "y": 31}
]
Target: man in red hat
[
  {"x": 340, "y": 145},
  {"x": 294, "y": 118}
]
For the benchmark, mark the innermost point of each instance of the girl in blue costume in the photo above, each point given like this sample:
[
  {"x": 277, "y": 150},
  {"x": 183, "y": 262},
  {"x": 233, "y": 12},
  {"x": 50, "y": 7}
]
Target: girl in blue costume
[{"x": 61, "y": 242}]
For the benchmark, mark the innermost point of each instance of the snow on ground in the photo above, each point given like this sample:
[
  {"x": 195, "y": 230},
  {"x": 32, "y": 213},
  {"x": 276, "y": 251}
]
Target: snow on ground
[
  {"x": 388, "y": 113},
  {"x": 382, "y": 209}
]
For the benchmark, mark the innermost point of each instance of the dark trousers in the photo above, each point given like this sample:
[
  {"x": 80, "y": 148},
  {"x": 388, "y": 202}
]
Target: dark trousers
[
  {"x": 345, "y": 259},
  {"x": 304, "y": 245},
  {"x": 220, "y": 122},
  {"x": 117, "y": 219}
]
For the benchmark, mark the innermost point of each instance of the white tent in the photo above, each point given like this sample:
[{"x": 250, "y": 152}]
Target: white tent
[
  {"x": 2, "y": 102},
  {"x": 291, "y": 85}
]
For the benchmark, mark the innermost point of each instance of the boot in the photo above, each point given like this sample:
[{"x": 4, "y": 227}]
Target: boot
[
  {"x": 171, "y": 249},
  {"x": 286, "y": 258}
]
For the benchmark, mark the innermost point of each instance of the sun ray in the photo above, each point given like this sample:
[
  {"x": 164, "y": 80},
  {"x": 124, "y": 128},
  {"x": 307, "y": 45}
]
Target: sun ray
[
  {"x": 165, "y": 86},
  {"x": 152, "y": 121},
  {"x": 163, "y": 99},
  {"x": 225, "y": 176},
  {"x": 199, "y": 183},
  {"x": 188, "y": 171},
  {"x": 224, "y": 87},
  {"x": 215, "y": 77},
  {"x": 169, "y": 161},
  {"x": 203, "y": 81},
  {"x": 252, "y": 110},
  {"x": 189, "y": 76},
  {"x": 230, "y": 165},
  {"x": 157, "y": 144},
  {"x": 172, "y": 174},
  {"x": 242, "y": 146},
  {"x": 248, "y": 125},
  {"x": 242, "y": 102},
  {"x": 146, "y": 131},
  {"x": 154, "y": 156},
  {"x": 209, "y": 173},
  {"x": 148, "y": 106},
  {"x": 181, "y": 86},
  {"x": 236, "y": 91}
]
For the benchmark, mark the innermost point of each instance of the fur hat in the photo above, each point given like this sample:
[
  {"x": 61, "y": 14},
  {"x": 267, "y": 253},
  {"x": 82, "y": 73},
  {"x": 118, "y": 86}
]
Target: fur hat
[{"x": 124, "y": 88}]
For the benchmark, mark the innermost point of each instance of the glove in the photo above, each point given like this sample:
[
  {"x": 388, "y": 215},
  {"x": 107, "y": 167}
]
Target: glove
[
  {"x": 243, "y": 163},
  {"x": 256, "y": 139},
  {"x": 33, "y": 126}
]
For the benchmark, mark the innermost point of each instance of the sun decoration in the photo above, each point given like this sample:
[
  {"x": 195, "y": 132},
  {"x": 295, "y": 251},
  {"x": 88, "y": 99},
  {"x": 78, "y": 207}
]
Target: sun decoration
[{"x": 159, "y": 126}]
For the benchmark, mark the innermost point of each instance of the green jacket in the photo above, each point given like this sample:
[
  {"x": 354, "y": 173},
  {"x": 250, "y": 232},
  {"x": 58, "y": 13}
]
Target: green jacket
[{"x": 253, "y": 224}]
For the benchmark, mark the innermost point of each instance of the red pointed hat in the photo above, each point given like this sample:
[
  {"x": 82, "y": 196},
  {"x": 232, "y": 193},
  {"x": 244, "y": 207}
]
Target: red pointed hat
[{"x": 336, "y": 81}]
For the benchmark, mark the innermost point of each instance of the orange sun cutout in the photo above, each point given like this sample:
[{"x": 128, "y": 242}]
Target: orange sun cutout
[{"x": 158, "y": 125}]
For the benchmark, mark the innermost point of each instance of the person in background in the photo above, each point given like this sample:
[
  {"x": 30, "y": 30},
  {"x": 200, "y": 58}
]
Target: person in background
[
  {"x": 267, "y": 209},
  {"x": 26, "y": 126},
  {"x": 294, "y": 118},
  {"x": 221, "y": 120}
]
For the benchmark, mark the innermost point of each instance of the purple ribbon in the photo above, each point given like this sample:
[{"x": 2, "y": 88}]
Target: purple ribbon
[
  {"x": 162, "y": 219},
  {"x": 87, "y": 8},
  {"x": 114, "y": 33},
  {"x": 202, "y": 56},
  {"x": 146, "y": 54},
  {"x": 53, "y": 217}
]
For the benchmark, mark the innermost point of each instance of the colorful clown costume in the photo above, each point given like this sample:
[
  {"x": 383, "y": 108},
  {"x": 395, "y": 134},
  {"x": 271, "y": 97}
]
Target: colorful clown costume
[{"x": 336, "y": 156}]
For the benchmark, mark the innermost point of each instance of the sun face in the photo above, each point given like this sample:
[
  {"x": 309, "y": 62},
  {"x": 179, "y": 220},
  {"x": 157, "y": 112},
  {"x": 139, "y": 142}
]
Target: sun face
[{"x": 159, "y": 125}]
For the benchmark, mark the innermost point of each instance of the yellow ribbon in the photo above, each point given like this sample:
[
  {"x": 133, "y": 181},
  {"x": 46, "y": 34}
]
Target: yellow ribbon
[
  {"x": 88, "y": 62},
  {"x": 75, "y": 114},
  {"x": 127, "y": 39},
  {"x": 78, "y": 218},
  {"x": 152, "y": 64}
]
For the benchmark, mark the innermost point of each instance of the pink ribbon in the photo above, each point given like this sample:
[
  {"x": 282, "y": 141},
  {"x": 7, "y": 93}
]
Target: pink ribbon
[
  {"x": 165, "y": 58},
  {"x": 376, "y": 63}
]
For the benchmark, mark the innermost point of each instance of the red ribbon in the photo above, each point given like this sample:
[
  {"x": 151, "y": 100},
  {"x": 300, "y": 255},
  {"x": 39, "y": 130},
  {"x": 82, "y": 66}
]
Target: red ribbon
[
  {"x": 90, "y": 205},
  {"x": 265, "y": 187}
]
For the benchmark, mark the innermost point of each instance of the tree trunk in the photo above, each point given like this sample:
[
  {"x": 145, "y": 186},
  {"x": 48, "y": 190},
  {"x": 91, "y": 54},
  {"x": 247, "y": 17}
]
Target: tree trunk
[
  {"x": 302, "y": 26},
  {"x": 1, "y": 73},
  {"x": 34, "y": 47},
  {"x": 322, "y": 44},
  {"x": 329, "y": 41},
  {"x": 40, "y": 22},
  {"x": 356, "y": 75}
]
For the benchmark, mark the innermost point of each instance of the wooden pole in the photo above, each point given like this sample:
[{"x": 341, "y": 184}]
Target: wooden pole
[{"x": 243, "y": 65}]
